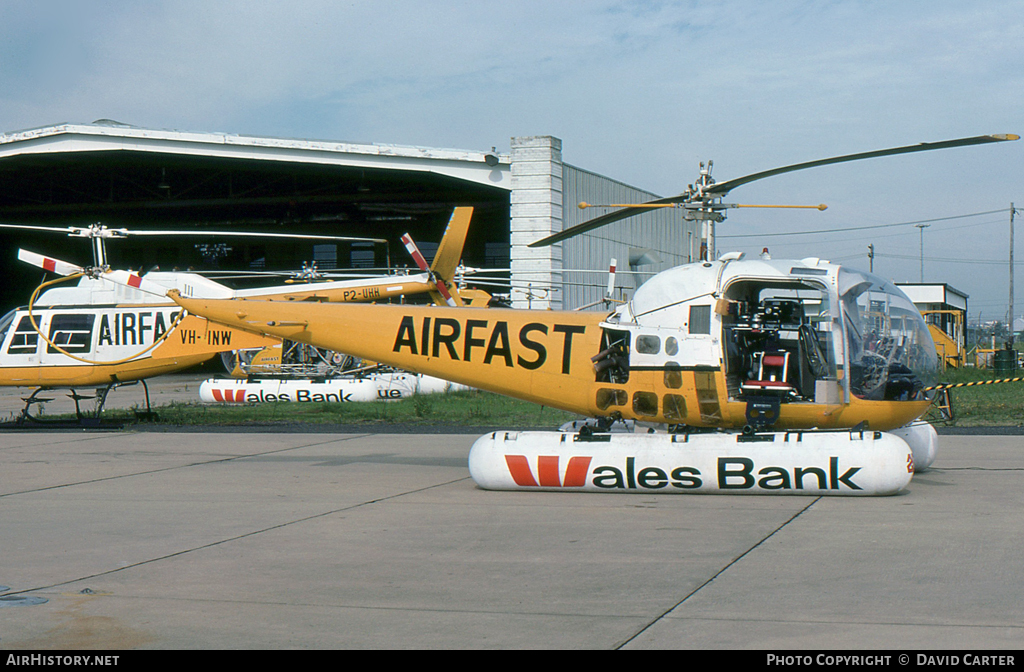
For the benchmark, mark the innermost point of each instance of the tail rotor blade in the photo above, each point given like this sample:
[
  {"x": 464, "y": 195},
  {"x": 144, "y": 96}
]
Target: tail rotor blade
[
  {"x": 417, "y": 256},
  {"x": 415, "y": 253},
  {"x": 443, "y": 291}
]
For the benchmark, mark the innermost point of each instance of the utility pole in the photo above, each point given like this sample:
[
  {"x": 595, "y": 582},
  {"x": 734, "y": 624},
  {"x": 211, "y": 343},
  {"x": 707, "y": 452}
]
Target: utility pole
[
  {"x": 1009, "y": 341},
  {"x": 922, "y": 227},
  {"x": 871, "y": 257}
]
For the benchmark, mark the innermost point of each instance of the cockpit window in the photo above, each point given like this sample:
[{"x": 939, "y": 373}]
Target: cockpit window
[
  {"x": 25, "y": 338},
  {"x": 5, "y": 324},
  {"x": 890, "y": 352}
]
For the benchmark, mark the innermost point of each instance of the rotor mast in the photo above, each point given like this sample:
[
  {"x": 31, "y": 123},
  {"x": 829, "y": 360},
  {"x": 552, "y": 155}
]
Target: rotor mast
[
  {"x": 705, "y": 213},
  {"x": 97, "y": 233}
]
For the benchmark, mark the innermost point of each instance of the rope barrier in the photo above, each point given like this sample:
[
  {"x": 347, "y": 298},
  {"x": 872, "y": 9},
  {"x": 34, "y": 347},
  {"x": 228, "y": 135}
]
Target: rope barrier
[{"x": 950, "y": 386}]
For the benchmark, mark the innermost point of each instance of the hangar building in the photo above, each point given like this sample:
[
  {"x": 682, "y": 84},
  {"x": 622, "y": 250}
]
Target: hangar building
[{"x": 137, "y": 178}]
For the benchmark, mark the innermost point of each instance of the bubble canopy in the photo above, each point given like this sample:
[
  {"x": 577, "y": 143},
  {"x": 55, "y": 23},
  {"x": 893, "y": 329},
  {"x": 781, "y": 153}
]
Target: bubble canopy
[{"x": 890, "y": 351}]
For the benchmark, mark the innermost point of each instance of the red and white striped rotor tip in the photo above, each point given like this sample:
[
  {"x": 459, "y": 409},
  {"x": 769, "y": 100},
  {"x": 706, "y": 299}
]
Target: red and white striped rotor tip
[
  {"x": 49, "y": 263},
  {"x": 414, "y": 252},
  {"x": 611, "y": 276},
  {"x": 421, "y": 261}
]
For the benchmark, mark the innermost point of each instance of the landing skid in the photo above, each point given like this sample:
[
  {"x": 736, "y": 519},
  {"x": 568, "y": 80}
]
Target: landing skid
[{"x": 82, "y": 419}]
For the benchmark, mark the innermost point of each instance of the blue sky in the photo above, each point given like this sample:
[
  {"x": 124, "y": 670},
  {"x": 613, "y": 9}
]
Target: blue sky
[{"x": 639, "y": 91}]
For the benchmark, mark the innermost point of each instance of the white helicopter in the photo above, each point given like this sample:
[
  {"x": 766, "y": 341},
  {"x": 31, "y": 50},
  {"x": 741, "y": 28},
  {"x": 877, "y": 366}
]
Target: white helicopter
[{"x": 104, "y": 331}]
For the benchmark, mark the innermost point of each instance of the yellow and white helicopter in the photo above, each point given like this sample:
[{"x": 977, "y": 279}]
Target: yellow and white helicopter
[
  {"x": 104, "y": 331},
  {"x": 771, "y": 376}
]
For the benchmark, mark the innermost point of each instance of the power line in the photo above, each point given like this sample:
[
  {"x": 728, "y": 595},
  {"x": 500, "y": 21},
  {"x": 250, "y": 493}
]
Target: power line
[
  {"x": 947, "y": 260},
  {"x": 894, "y": 235},
  {"x": 862, "y": 228}
]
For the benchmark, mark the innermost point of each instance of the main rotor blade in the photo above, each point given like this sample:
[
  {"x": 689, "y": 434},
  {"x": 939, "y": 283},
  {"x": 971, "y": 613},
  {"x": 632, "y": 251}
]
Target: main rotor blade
[
  {"x": 253, "y": 234},
  {"x": 721, "y": 188},
  {"x": 53, "y": 229},
  {"x": 84, "y": 232},
  {"x": 604, "y": 220}
]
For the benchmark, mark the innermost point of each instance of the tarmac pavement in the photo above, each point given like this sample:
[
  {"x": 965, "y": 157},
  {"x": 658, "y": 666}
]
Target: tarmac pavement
[{"x": 164, "y": 540}]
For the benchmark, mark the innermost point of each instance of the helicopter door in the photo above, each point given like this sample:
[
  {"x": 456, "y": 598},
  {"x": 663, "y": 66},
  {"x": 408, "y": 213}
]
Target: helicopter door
[{"x": 698, "y": 346}]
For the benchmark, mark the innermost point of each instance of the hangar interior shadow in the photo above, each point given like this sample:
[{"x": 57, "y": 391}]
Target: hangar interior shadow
[{"x": 190, "y": 194}]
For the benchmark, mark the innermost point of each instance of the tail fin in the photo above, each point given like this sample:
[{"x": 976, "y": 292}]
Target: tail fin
[{"x": 449, "y": 250}]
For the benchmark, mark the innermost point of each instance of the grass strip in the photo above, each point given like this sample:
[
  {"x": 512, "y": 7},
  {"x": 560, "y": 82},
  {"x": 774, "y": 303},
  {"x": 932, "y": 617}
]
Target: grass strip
[
  {"x": 472, "y": 408},
  {"x": 1000, "y": 404}
]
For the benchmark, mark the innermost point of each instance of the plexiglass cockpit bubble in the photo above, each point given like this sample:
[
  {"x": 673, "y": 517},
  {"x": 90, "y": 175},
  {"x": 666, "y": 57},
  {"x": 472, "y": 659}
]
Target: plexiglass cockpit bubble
[{"x": 890, "y": 351}]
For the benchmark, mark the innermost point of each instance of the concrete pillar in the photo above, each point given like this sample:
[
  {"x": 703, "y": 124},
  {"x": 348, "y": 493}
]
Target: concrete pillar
[{"x": 536, "y": 212}]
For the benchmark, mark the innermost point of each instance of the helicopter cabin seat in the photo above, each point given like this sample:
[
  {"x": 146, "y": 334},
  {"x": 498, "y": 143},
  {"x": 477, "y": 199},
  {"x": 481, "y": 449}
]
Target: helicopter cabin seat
[{"x": 773, "y": 377}]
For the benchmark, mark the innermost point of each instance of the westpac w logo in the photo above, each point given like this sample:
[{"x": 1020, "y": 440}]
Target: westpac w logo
[
  {"x": 548, "y": 472},
  {"x": 228, "y": 395}
]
